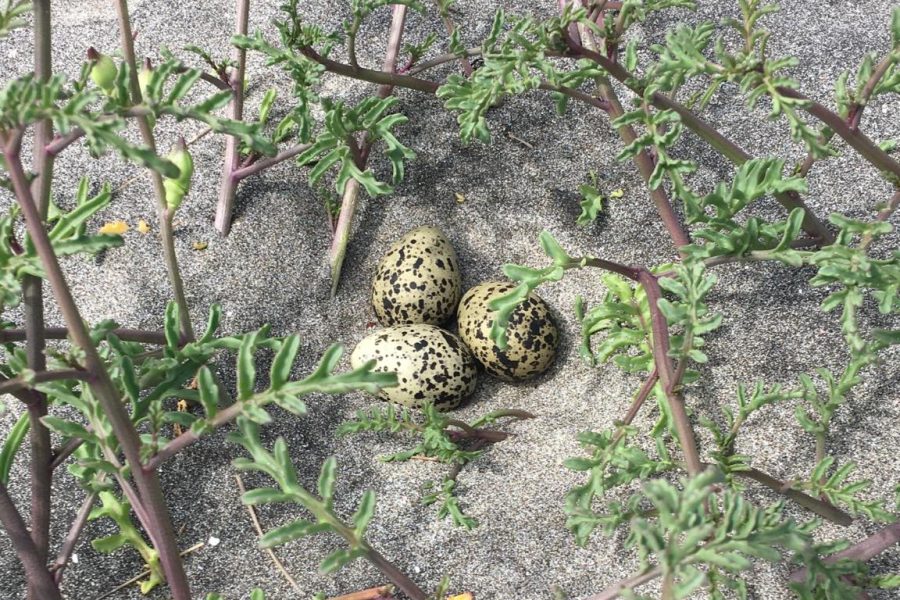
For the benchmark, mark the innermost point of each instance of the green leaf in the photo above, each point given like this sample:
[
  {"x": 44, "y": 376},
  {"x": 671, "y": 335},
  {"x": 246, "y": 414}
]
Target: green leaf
[
  {"x": 327, "y": 479},
  {"x": 246, "y": 367},
  {"x": 284, "y": 360},
  {"x": 171, "y": 326},
  {"x": 11, "y": 446},
  {"x": 109, "y": 543},
  {"x": 65, "y": 428},
  {"x": 791, "y": 229},
  {"x": 209, "y": 392},
  {"x": 290, "y": 532},
  {"x": 364, "y": 513},
  {"x": 552, "y": 249},
  {"x": 265, "y": 496}
]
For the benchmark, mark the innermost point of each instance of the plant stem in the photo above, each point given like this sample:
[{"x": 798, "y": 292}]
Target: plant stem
[
  {"x": 228, "y": 186},
  {"x": 265, "y": 163},
  {"x": 856, "y": 109},
  {"x": 33, "y": 305},
  {"x": 187, "y": 438},
  {"x": 159, "y": 527},
  {"x": 632, "y": 582},
  {"x": 450, "y": 26},
  {"x": 667, "y": 378},
  {"x": 867, "y": 549},
  {"x": 857, "y": 140},
  {"x": 12, "y": 385},
  {"x": 644, "y": 163},
  {"x": 338, "y": 248},
  {"x": 395, "y": 575},
  {"x": 36, "y": 572},
  {"x": 823, "y": 509},
  {"x": 165, "y": 220},
  {"x": 61, "y": 333},
  {"x": 71, "y": 540},
  {"x": 442, "y": 59},
  {"x": 707, "y": 132}
]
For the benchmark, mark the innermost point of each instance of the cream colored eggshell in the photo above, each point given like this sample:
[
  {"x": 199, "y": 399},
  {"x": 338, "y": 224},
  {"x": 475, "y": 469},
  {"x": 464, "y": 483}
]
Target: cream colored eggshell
[
  {"x": 418, "y": 280},
  {"x": 432, "y": 365},
  {"x": 532, "y": 334}
]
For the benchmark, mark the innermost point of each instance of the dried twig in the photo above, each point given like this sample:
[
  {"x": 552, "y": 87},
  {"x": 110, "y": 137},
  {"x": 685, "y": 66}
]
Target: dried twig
[{"x": 259, "y": 532}]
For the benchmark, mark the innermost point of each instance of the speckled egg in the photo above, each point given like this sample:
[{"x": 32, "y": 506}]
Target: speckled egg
[
  {"x": 532, "y": 335},
  {"x": 418, "y": 280},
  {"x": 432, "y": 365}
]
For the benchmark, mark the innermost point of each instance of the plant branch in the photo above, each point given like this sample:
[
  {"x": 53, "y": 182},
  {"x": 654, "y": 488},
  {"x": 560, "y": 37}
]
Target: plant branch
[
  {"x": 859, "y": 104},
  {"x": 338, "y": 248},
  {"x": 824, "y": 509},
  {"x": 855, "y": 138},
  {"x": 642, "y": 160},
  {"x": 271, "y": 161},
  {"x": 450, "y": 26},
  {"x": 187, "y": 438},
  {"x": 159, "y": 526},
  {"x": 632, "y": 582},
  {"x": 228, "y": 185},
  {"x": 71, "y": 539},
  {"x": 33, "y": 304},
  {"x": 60, "y": 333},
  {"x": 867, "y": 549},
  {"x": 13, "y": 385},
  {"x": 811, "y": 224},
  {"x": 165, "y": 219},
  {"x": 395, "y": 575},
  {"x": 443, "y": 59},
  {"x": 36, "y": 572},
  {"x": 670, "y": 383}
]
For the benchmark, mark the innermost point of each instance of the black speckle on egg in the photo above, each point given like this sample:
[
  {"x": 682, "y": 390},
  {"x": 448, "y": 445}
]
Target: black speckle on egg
[
  {"x": 532, "y": 336},
  {"x": 432, "y": 365},
  {"x": 418, "y": 280}
]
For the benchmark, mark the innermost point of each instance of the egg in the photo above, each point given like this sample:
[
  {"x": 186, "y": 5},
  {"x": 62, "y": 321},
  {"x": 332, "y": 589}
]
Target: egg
[
  {"x": 432, "y": 365},
  {"x": 418, "y": 280},
  {"x": 532, "y": 334}
]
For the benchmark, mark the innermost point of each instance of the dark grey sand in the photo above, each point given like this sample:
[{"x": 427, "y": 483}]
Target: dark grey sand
[{"x": 271, "y": 269}]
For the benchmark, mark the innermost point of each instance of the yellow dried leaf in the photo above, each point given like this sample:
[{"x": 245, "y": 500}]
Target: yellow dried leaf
[
  {"x": 200, "y": 245},
  {"x": 143, "y": 227},
  {"x": 460, "y": 198},
  {"x": 114, "y": 228},
  {"x": 465, "y": 596}
]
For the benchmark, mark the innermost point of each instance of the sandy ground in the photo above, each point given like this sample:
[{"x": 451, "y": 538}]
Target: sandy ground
[{"x": 271, "y": 269}]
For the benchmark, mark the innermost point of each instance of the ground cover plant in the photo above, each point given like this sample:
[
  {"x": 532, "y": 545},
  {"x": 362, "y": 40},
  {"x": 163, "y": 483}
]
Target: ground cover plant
[{"x": 108, "y": 394}]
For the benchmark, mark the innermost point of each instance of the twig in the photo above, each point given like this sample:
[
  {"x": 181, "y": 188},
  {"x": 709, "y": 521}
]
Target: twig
[
  {"x": 383, "y": 592},
  {"x": 12, "y": 385},
  {"x": 338, "y": 248},
  {"x": 228, "y": 186},
  {"x": 33, "y": 303},
  {"x": 35, "y": 569},
  {"x": 164, "y": 217},
  {"x": 632, "y": 582},
  {"x": 265, "y": 163},
  {"x": 450, "y": 26},
  {"x": 144, "y": 573},
  {"x": 71, "y": 539},
  {"x": 160, "y": 525},
  {"x": 259, "y": 531},
  {"x": 61, "y": 333},
  {"x": 824, "y": 509},
  {"x": 869, "y": 548},
  {"x": 811, "y": 224},
  {"x": 642, "y": 160}
]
